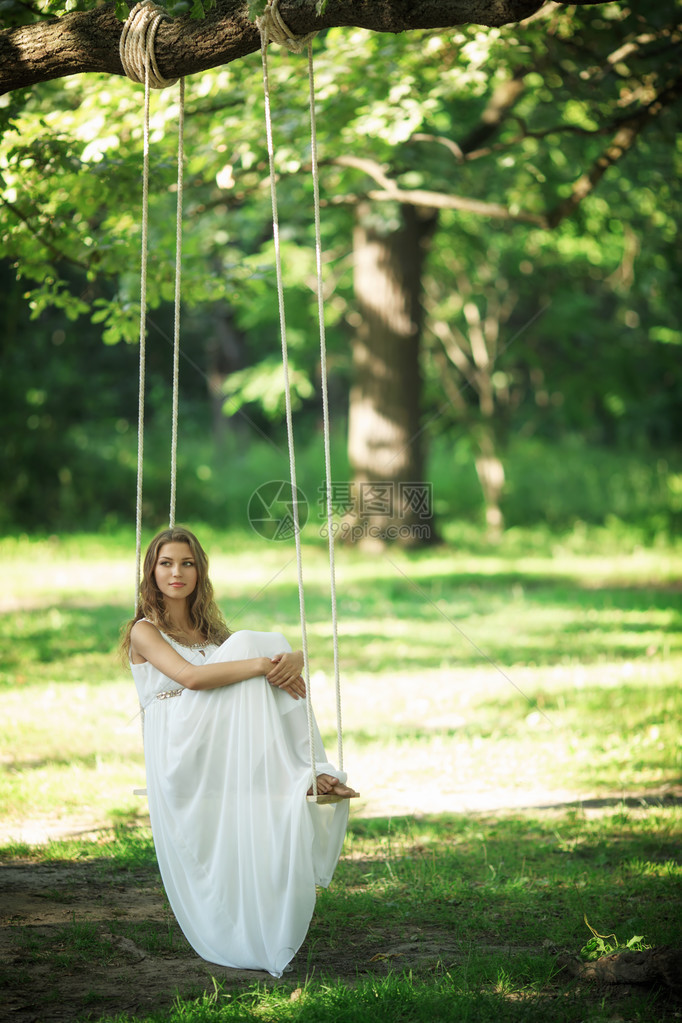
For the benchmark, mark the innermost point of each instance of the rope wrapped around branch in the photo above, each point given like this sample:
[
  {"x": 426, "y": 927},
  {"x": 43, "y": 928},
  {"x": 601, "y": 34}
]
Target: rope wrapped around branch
[
  {"x": 137, "y": 44},
  {"x": 273, "y": 28}
]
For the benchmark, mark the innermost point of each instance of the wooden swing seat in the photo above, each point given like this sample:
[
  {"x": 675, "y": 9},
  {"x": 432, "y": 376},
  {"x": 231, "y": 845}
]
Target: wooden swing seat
[{"x": 331, "y": 797}]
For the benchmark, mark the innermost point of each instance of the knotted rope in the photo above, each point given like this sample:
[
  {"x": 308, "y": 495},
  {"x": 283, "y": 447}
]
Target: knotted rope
[
  {"x": 272, "y": 27},
  {"x": 136, "y": 47}
]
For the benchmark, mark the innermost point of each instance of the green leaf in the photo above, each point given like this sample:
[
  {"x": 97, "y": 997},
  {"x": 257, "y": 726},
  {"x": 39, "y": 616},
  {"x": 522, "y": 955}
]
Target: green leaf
[
  {"x": 666, "y": 335},
  {"x": 256, "y": 9}
]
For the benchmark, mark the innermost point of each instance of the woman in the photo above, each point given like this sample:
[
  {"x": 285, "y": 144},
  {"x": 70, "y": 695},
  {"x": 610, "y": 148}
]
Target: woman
[{"x": 228, "y": 767}]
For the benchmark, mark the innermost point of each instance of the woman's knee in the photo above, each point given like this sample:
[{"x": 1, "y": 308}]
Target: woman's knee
[{"x": 248, "y": 643}]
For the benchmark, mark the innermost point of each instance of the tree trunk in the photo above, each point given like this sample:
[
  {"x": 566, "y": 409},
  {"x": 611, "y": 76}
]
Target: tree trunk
[
  {"x": 490, "y": 472},
  {"x": 662, "y": 965},
  {"x": 223, "y": 356},
  {"x": 390, "y": 501}
]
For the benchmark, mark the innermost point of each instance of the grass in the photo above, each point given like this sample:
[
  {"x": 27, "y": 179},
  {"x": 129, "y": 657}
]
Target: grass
[
  {"x": 511, "y": 715},
  {"x": 485, "y": 902},
  {"x": 394, "y": 1000},
  {"x": 516, "y": 655}
]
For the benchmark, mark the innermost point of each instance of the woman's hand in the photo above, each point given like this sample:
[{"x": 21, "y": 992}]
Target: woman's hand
[
  {"x": 285, "y": 673},
  {"x": 295, "y": 688}
]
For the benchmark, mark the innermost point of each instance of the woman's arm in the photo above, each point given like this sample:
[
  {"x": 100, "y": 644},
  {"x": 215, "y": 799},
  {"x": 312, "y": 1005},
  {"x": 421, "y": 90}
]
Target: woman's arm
[{"x": 148, "y": 644}]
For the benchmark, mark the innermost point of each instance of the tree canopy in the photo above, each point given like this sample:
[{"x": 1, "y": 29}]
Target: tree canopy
[
  {"x": 549, "y": 151},
  {"x": 48, "y": 43}
]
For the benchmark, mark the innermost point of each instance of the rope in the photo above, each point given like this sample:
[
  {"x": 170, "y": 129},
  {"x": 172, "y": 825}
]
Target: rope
[
  {"x": 271, "y": 25},
  {"x": 176, "y": 318},
  {"x": 136, "y": 47},
  {"x": 325, "y": 401},
  {"x": 264, "y": 26},
  {"x": 138, "y": 57},
  {"x": 143, "y": 342}
]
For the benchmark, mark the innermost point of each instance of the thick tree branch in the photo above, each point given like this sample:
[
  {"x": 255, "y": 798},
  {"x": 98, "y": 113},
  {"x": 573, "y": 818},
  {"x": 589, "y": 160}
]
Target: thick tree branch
[
  {"x": 627, "y": 130},
  {"x": 442, "y": 201},
  {"x": 432, "y": 200},
  {"x": 88, "y": 41},
  {"x": 621, "y": 143}
]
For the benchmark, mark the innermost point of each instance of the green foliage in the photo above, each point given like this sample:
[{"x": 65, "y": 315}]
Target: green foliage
[
  {"x": 587, "y": 336},
  {"x": 71, "y": 451},
  {"x": 256, "y": 8},
  {"x": 264, "y": 384},
  {"x": 601, "y": 944}
]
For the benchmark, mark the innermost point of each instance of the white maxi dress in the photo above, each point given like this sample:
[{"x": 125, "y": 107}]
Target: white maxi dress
[{"x": 239, "y": 847}]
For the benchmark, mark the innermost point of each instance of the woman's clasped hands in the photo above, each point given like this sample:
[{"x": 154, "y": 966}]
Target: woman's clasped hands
[{"x": 286, "y": 673}]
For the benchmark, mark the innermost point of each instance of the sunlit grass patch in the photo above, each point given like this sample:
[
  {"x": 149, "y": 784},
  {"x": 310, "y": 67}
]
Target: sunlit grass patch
[
  {"x": 61, "y": 643},
  {"x": 112, "y": 850},
  {"x": 74, "y": 945},
  {"x": 73, "y": 750},
  {"x": 398, "y": 998}
]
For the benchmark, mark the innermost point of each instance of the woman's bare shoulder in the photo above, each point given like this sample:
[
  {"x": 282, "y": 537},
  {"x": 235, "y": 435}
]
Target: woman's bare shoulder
[
  {"x": 142, "y": 625},
  {"x": 145, "y": 628},
  {"x": 142, "y": 634}
]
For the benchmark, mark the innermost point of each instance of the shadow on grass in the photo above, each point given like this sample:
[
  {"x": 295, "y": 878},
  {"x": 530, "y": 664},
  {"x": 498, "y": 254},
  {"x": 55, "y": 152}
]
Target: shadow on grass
[
  {"x": 507, "y": 617},
  {"x": 444, "y": 917}
]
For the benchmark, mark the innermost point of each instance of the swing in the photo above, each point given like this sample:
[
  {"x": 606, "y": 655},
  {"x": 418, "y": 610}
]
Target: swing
[{"x": 139, "y": 64}]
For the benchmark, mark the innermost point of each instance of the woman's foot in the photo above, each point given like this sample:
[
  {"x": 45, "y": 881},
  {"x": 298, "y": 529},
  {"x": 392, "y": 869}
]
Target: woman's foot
[{"x": 328, "y": 785}]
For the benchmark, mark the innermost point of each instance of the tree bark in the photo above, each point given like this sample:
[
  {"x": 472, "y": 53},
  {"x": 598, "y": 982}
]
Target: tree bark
[
  {"x": 490, "y": 472},
  {"x": 88, "y": 41},
  {"x": 391, "y": 500}
]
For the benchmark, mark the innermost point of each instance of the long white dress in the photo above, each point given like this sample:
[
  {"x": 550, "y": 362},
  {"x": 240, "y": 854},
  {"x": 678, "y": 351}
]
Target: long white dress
[{"x": 239, "y": 847}]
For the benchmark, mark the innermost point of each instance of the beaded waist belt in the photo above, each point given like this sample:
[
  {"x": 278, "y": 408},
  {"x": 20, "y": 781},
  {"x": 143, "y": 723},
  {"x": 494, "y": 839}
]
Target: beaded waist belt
[{"x": 168, "y": 693}]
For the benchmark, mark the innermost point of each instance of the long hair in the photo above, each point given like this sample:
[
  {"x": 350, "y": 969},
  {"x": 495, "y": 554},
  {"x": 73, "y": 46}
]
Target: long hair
[{"x": 204, "y": 613}]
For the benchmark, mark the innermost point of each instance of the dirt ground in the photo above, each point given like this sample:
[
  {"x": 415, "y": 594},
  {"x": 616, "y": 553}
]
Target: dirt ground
[{"x": 43, "y": 981}]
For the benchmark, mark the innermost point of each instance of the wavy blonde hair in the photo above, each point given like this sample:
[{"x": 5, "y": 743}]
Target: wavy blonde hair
[{"x": 204, "y": 613}]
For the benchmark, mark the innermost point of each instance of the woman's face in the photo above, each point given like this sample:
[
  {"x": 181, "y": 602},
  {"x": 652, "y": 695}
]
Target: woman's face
[{"x": 175, "y": 571}]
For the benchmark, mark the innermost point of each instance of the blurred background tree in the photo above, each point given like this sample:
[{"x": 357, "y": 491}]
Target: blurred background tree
[{"x": 511, "y": 197}]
